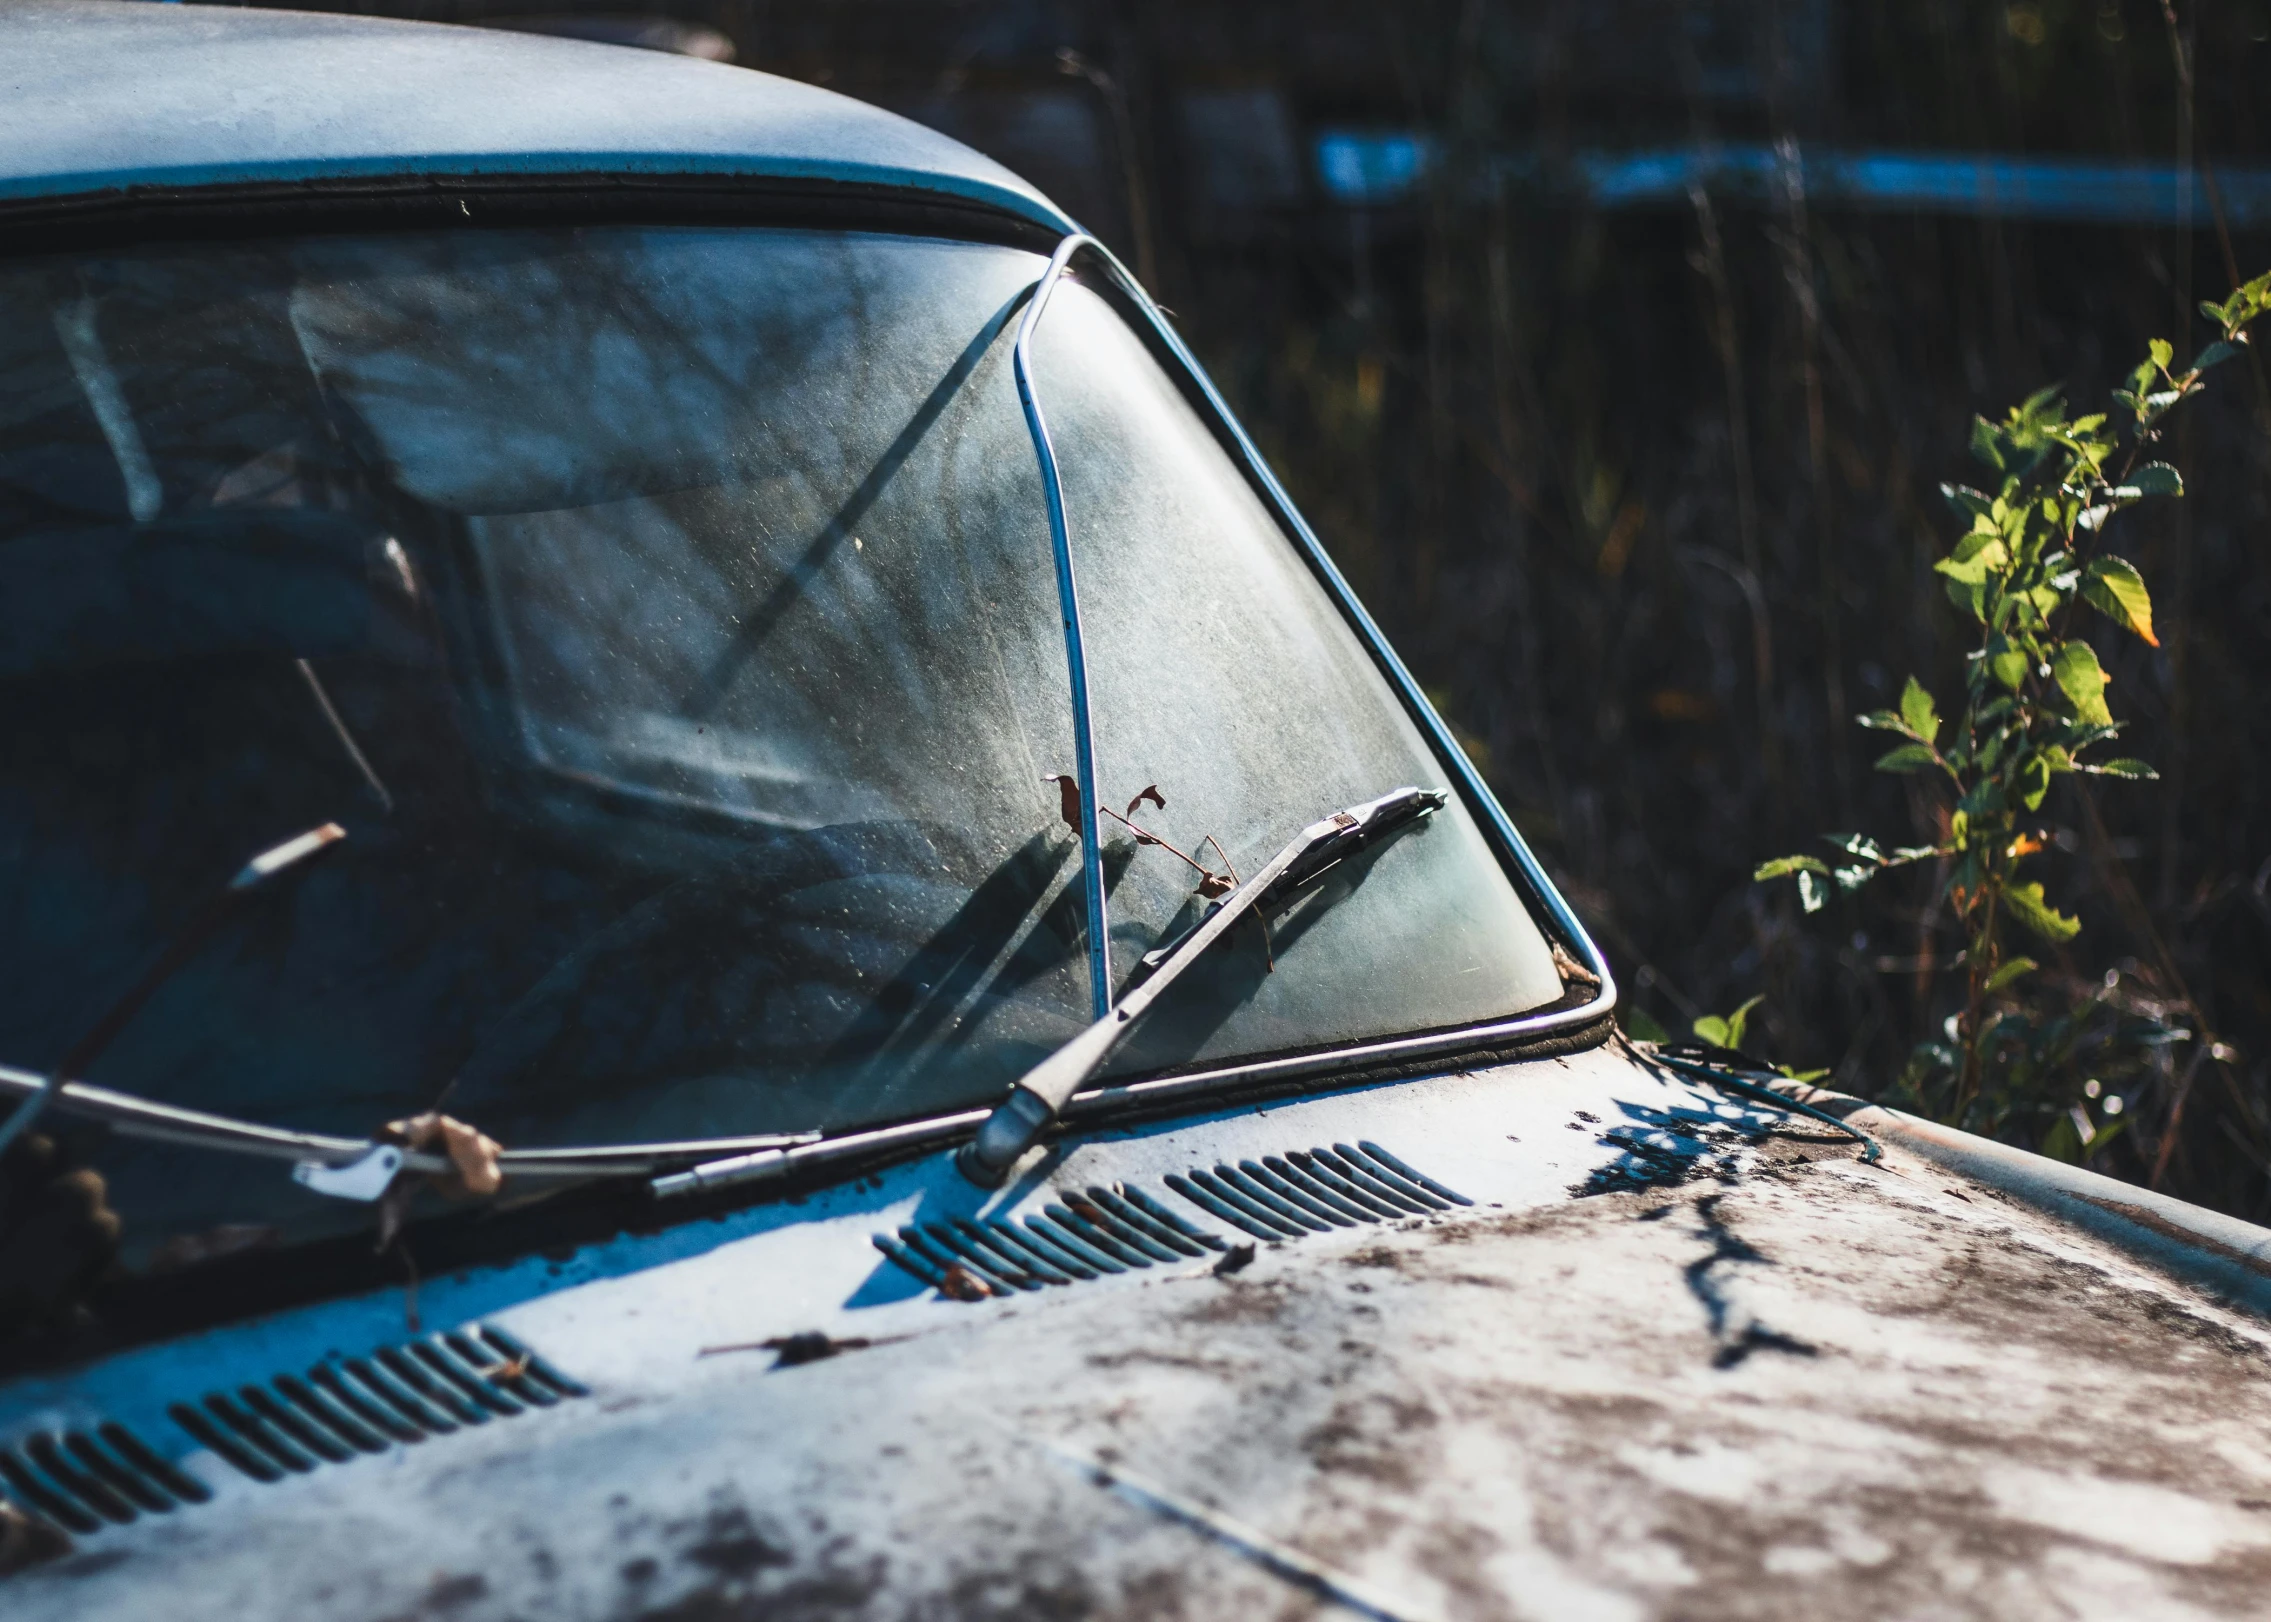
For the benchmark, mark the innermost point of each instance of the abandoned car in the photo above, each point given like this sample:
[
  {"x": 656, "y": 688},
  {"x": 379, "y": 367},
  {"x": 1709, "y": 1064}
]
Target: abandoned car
[{"x": 713, "y": 911}]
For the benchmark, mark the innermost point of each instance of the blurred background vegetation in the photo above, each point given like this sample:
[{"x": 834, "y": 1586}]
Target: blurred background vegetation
[{"x": 1618, "y": 348}]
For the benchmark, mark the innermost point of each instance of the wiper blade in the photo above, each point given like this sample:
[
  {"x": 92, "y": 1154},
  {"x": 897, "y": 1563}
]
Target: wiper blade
[{"x": 1035, "y": 1101}]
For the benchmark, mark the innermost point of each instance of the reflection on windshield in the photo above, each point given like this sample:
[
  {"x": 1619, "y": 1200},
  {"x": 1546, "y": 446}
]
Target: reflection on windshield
[{"x": 668, "y": 616}]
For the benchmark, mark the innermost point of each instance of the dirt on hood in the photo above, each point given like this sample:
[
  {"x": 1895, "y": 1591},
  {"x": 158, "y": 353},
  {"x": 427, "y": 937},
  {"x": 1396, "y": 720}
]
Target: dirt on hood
[{"x": 1781, "y": 1385}]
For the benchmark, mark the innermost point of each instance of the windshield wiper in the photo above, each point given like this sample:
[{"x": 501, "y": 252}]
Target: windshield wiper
[{"x": 1035, "y": 1101}]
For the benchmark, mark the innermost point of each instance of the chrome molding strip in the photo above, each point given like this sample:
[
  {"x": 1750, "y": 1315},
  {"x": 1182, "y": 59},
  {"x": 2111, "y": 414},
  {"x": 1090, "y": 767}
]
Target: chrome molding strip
[{"x": 1068, "y": 604}]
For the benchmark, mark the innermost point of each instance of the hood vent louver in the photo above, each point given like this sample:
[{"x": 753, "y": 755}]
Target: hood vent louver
[
  {"x": 1118, "y": 1229},
  {"x": 81, "y": 1481},
  {"x": 402, "y": 1393}
]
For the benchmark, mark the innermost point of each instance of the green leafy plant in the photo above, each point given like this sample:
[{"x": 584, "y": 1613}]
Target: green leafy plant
[
  {"x": 1727, "y": 1030},
  {"x": 2035, "y": 705}
]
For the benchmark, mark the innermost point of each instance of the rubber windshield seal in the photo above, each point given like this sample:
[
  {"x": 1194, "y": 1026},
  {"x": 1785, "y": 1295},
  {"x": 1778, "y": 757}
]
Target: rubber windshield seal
[{"x": 140, "y": 216}]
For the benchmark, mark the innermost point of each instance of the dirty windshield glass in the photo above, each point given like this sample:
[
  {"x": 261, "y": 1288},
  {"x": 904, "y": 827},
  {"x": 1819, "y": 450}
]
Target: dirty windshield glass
[{"x": 667, "y": 616}]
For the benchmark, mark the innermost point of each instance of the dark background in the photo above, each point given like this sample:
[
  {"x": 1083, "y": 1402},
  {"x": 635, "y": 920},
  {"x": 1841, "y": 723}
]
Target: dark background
[{"x": 1646, "y": 492}]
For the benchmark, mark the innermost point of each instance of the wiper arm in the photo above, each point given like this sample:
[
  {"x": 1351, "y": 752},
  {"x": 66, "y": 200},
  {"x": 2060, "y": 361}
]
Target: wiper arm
[
  {"x": 1034, "y": 1103},
  {"x": 269, "y": 864},
  {"x": 148, "y": 1119},
  {"x": 369, "y": 1164}
]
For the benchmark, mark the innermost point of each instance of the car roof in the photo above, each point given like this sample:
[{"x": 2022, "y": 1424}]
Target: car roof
[{"x": 97, "y": 96}]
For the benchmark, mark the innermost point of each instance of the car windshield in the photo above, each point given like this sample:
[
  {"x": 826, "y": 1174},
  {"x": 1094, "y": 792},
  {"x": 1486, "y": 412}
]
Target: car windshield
[{"x": 667, "y": 615}]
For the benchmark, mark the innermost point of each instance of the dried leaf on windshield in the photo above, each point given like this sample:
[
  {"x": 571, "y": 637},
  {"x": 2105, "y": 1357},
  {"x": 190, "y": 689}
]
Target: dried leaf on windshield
[
  {"x": 472, "y": 1153},
  {"x": 1150, "y": 793},
  {"x": 1068, "y": 798}
]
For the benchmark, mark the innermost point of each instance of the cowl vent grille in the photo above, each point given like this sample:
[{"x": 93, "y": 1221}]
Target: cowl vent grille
[
  {"x": 1285, "y": 1197},
  {"x": 403, "y": 1393},
  {"x": 1104, "y": 1230},
  {"x": 81, "y": 1481},
  {"x": 1122, "y": 1228}
]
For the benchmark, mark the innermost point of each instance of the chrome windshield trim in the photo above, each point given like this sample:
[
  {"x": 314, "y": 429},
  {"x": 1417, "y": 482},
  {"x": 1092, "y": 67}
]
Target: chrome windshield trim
[{"x": 1068, "y": 604}]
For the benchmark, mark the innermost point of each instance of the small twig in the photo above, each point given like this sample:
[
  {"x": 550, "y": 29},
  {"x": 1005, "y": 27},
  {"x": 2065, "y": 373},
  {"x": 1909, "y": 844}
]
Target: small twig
[
  {"x": 1269, "y": 947},
  {"x": 1147, "y": 837}
]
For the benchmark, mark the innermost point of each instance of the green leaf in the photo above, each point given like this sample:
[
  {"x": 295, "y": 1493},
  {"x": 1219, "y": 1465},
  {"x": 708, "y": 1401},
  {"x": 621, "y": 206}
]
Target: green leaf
[
  {"x": 2009, "y": 972},
  {"x": 1640, "y": 1025},
  {"x": 1969, "y": 596},
  {"x": 2063, "y": 1142},
  {"x": 2082, "y": 679},
  {"x": 2006, "y": 663},
  {"x": 1965, "y": 499},
  {"x": 2026, "y": 905},
  {"x": 1783, "y": 866},
  {"x": 2136, "y": 771},
  {"x": 1727, "y": 1032},
  {"x": 1986, "y": 443},
  {"x": 2034, "y": 782},
  {"x": 1882, "y": 721},
  {"x": 2163, "y": 352},
  {"x": 1850, "y": 879},
  {"x": 1811, "y": 895},
  {"x": 2115, "y": 589},
  {"x": 1909, "y": 757},
  {"x": 1917, "y": 710},
  {"x": 2214, "y": 355},
  {"x": 2157, "y": 479},
  {"x": 1974, "y": 558}
]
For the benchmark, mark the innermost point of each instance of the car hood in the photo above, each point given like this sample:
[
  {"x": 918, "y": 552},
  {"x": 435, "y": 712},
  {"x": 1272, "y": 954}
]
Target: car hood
[{"x": 1674, "y": 1359}]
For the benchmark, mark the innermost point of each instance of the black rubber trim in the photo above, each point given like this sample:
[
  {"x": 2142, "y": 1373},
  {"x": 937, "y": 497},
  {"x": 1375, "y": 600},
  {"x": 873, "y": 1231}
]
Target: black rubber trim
[{"x": 138, "y": 216}]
